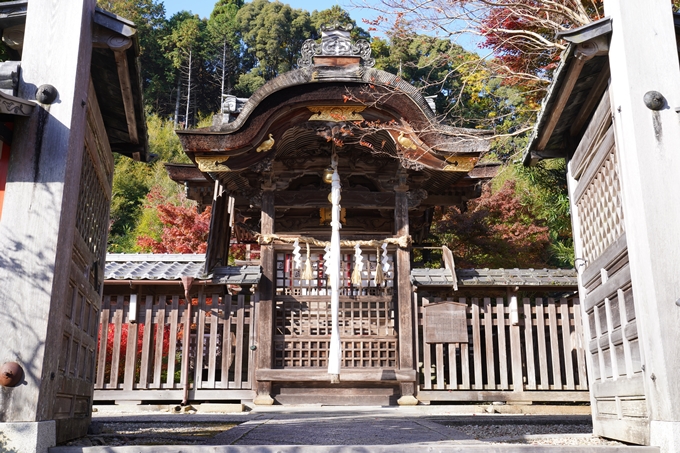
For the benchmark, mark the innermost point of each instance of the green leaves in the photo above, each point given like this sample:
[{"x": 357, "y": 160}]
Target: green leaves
[
  {"x": 183, "y": 38},
  {"x": 131, "y": 215},
  {"x": 273, "y": 34}
]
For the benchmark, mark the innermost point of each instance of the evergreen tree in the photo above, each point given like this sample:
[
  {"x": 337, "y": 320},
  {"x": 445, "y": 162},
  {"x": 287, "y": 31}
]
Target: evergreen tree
[
  {"x": 337, "y": 15},
  {"x": 184, "y": 43},
  {"x": 156, "y": 68},
  {"x": 224, "y": 47},
  {"x": 273, "y": 33}
]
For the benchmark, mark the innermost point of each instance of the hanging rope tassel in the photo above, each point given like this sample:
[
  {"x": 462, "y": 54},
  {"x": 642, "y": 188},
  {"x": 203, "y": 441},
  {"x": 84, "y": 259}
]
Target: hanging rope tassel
[
  {"x": 379, "y": 274},
  {"x": 307, "y": 274},
  {"x": 358, "y": 266}
]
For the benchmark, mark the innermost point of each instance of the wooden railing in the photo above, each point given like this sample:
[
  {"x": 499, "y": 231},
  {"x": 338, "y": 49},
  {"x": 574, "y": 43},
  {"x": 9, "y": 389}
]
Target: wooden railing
[
  {"x": 141, "y": 349},
  {"x": 518, "y": 349}
]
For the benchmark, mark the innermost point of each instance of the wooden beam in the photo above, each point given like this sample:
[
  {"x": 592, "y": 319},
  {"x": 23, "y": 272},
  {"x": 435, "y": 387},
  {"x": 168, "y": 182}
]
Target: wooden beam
[
  {"x": 562, "y": 98},
  {"x": 346, "y": 375},
  {"x": 583, "y": 53},
  {"x": 446, "y": 200},
  {"x": 490, "y": 395},
  {"x": 11, "y": 105},
  {"x": 219, "y": 234},
  {"x": 404, "y": 293},
  {"x": 265, "y": 308},
  {"x": 318, "y": 199},
  {"x": 354, "y": 200},
  {"x": 591, "y": 102},
  {"x": 151, "y": 395},
  {"x": 126, "y": 91}
]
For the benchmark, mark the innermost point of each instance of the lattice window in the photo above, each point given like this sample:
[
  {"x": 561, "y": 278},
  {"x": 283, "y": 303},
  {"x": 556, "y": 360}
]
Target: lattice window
[
  {"x": 367, "y": 333},
  {"x": 380, "y": 353},
  {"x": 93, "y": 209},
  {"x": 600, "y": 210},
  {"x": 301, "y": 353},
  {"x": 356, "y": 318},
  {"x": 288, "y": 280},
  {"x": 365, "y": 354}
]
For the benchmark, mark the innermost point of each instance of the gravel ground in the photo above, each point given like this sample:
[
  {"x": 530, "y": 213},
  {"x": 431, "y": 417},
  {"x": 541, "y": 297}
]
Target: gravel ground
[
  {"x": 155, "y": 433},
  {"x": 536, "y": 430},
  {"x": 572, "y": 434}
]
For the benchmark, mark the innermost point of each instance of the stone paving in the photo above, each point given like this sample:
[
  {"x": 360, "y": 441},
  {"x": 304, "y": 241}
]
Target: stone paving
[{"x": 339, "y": 430}]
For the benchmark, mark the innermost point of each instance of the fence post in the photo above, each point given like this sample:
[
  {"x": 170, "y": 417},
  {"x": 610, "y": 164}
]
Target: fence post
[{"x": 515, "y": 342}]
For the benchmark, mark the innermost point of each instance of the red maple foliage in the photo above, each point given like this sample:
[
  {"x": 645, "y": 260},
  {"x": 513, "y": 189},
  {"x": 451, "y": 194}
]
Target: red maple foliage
[
  {"x": 497, "y": 230},
  {"x": 185, "y": 230},
  {"x": 521, "y": 33},
  {"x": 110, "y": 337},
  {"x": 122, "y": 352}
]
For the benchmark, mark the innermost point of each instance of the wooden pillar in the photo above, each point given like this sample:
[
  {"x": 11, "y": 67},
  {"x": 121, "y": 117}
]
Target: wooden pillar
[
  {"x": 219, "y": 236},
  {"x": 265, "y": 313},
  {"x": 404, "y": 293},
  {"x": 39, "y": 215},
  {"x": 644, "y": 57}
]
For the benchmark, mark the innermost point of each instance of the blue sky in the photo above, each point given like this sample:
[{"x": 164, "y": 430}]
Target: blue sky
[{"x": 204, "y": 7}]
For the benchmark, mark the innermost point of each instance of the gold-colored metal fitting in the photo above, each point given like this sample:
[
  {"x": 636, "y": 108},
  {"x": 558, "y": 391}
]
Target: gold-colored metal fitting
[
  {"x": 328, "y": 175},
  {"x": 266, "y": 145},
  {"x": 460, "y": 163},
  {"x": 212, "y": 164},
  {"x": 326, "y": 216},
  {"x": 336, "y": 113}
]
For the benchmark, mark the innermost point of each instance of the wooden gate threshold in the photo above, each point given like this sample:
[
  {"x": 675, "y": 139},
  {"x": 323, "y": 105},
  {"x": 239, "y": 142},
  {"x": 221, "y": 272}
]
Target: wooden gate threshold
[
  {"x": 321, "y": 375},
  {"x": 508, "y": 396}
]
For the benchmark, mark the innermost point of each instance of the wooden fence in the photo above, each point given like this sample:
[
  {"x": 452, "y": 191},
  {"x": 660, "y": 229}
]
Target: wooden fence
[
  {"x": 519, "y": 349},
  {"x": 142, "y": 342},
  {"x": 522, "y": 348}
]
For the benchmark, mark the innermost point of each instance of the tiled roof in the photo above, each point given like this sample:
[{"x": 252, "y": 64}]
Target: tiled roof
[
  {"x": 123, "y": 266},
  {"x": 495, "y": 277},
  {"x": 233, "y": 275}
]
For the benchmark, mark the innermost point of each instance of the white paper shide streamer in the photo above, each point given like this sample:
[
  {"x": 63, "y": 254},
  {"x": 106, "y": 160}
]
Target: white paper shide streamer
[
  {"x": 358, "y": 266},
  {"x": 297, "y": 258},
  {"x": 385, "y": 261},
  {"x": 334, "y": 274}
]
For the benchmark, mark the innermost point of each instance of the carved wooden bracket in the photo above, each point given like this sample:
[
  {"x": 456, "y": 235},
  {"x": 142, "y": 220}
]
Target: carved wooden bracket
[
  {"x": 212, "y": 164},
  {"x": 102, "y": 37}
]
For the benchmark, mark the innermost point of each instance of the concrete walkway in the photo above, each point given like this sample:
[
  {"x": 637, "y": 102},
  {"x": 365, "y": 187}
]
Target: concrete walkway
[{"x": 339, "y": 430}]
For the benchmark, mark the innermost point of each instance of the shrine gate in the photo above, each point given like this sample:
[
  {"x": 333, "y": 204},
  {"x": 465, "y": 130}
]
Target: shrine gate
[
  {"x": 612, "y": 113},
  {"x": 71, "y": 97}
]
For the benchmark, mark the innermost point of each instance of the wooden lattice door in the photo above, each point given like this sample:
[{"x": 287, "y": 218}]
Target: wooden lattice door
[
  {"x": 611, "y": 334},
  {"x": 302, "y": 319},
  {"x": 82, "y": 304}
]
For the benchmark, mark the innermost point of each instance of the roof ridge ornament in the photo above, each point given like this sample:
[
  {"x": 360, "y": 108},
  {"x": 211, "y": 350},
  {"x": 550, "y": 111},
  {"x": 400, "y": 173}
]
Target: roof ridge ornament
[{"x": 335, "y": 42}]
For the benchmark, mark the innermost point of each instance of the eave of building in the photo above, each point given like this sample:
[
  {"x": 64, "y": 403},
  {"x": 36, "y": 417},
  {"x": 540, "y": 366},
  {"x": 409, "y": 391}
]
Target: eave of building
[
  {"x": 523, "y": 278},
  {"x": 115, "y": 75},
  {"x": 287, "y": 103},
  {"x": 163, "y": 268},
  {"x": 578, "y": 84},
  {"x": 122, "y": 268},
  {"x": 186, "y": 174}
]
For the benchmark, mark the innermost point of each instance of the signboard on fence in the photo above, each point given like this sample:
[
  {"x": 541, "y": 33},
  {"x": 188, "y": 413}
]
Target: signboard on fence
[{"x": 446, "y": 322}]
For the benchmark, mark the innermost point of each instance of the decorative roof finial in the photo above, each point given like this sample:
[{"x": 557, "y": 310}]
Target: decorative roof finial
[{"x": 335, "y": 42}]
